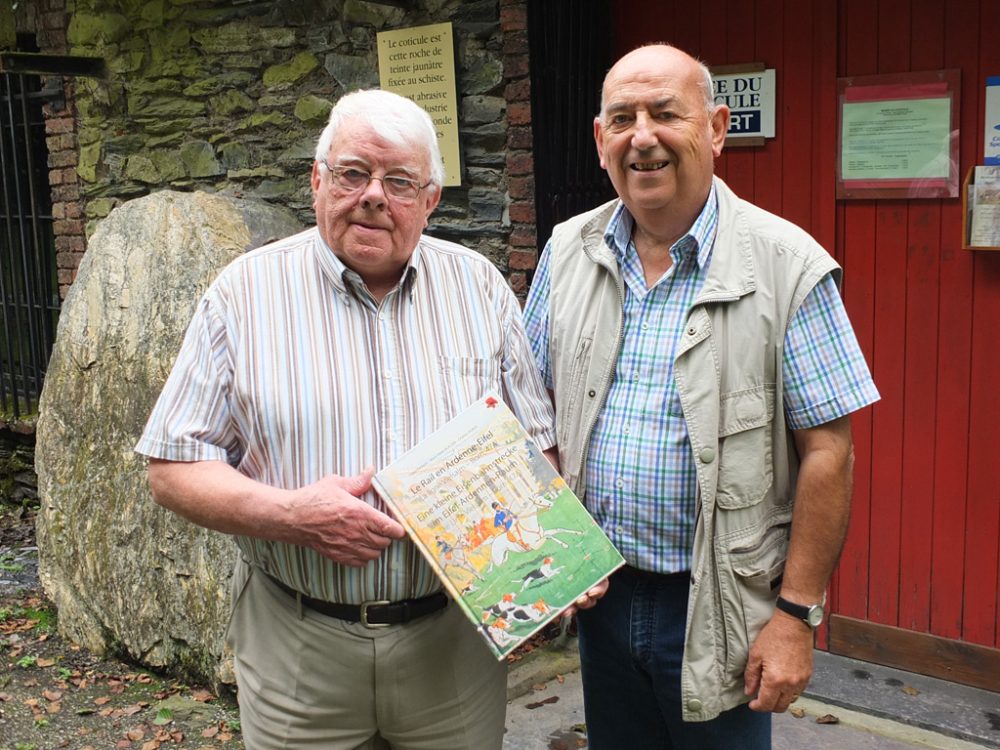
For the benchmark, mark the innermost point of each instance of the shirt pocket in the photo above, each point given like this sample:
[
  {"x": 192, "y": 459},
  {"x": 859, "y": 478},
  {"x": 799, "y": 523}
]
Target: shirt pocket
[
  {"x": 466, "y": 379},
  {"x": 745, "y": 446}
]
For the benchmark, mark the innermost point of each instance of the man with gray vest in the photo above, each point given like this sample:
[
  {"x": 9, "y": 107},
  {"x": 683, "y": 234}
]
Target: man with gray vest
[{"x": 703, "y": 370}]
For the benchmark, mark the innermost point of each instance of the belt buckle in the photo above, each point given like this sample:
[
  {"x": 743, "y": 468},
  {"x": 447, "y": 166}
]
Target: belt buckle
[{"x": 364, "y": 613}]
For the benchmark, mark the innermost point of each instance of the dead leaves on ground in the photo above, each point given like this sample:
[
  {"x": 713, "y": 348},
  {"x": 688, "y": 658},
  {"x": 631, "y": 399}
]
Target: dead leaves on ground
[
  {"x": 539, "y": 704},
  {"x": 153, "y": 733}
]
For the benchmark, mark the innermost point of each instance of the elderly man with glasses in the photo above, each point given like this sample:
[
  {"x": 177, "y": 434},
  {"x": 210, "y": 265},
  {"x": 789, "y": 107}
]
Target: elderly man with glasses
[{"x": 309, "y": 363}]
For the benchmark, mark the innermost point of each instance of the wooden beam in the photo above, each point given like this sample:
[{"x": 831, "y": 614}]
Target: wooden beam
[
  {"x": 37, "y": 64},
  {"x": 923, "y": 653}
]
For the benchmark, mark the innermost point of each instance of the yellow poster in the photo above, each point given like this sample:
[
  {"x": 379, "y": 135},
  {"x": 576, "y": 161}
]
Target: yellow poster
[{"x": 419, "y": 63}]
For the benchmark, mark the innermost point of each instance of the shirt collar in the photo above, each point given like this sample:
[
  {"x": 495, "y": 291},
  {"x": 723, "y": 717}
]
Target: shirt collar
[
  {"x": 700, "y": 236},
  {"x": 346, "y": 280}
]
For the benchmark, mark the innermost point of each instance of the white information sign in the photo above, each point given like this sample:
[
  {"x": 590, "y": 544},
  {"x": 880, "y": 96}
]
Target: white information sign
[{"x": 750, "y": 97}]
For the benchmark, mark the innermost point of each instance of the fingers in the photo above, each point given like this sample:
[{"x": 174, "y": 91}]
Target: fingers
[
  {"x": 358, "y": 484},
  {"x": 589, "y": 598},
  {"x": 751, "y": 675},
  {"x": 774, "y": 701},
  {"x": 779, "y": 665}
]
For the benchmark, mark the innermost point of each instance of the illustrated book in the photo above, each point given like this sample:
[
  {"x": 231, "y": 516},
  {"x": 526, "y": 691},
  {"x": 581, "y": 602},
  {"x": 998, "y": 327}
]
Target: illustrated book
[{"x": 511, "y": 543}]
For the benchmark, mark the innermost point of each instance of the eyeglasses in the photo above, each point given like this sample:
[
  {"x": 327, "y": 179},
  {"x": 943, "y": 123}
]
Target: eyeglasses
[{"x": 353, "y": 179}]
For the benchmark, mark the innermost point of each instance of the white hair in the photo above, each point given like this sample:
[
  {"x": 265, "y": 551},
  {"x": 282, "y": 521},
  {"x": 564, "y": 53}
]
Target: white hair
[{"x": 393, "y": 117}]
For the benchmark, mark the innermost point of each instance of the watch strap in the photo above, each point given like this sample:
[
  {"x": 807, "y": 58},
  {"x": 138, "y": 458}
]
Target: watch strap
[{"x": 801, "y": 611}]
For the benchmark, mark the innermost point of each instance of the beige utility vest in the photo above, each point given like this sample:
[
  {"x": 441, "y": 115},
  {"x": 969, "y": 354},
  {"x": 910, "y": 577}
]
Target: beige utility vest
[{"x": 729, "y": 377}]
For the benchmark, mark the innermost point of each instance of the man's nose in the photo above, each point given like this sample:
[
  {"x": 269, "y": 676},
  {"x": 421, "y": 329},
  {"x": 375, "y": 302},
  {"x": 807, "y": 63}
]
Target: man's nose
[
  {"x": 374, "y": 194},
  {"x": 642, "y": 132}
]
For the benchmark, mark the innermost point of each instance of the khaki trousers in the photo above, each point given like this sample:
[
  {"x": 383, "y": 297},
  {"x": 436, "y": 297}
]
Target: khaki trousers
[{"x": 312, "y": 681}]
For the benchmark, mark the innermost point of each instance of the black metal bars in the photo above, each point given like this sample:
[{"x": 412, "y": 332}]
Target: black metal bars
[{"x": 29, "y": 291}]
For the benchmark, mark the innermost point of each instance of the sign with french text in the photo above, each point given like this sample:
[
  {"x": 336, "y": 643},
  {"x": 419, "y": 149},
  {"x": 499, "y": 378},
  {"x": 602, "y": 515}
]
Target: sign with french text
[
  {"x": 750, "y": 95},
  {"x": 419, "y": 63}
]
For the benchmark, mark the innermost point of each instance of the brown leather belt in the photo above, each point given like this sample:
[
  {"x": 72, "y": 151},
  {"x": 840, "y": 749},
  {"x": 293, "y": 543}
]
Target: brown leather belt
[{"x": 373, "y": 614}]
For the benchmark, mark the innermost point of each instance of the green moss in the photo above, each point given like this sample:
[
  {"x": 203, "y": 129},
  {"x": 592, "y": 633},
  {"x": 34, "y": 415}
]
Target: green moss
[
  {"x": 86, "y": 29},
  {"x": 292, "y": 71},
  {"x": 259, "y": 120},
  {"x": 230, "y": 102},
  {"x": 312, "y": 109},
  {"x": 90, "y": 156}
]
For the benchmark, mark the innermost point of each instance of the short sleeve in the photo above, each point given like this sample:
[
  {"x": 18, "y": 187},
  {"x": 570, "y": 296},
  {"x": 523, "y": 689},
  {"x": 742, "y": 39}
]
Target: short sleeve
[
  {"x": 536, "y": 316},
  {"x": 523, "y": 389},
  {"x": 825, "y": 373},
  {"x": 191, "y": 420}
]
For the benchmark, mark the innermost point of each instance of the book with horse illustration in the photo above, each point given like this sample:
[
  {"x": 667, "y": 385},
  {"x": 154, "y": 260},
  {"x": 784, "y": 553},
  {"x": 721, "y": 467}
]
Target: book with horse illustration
[{"x": 511, "y": 543}]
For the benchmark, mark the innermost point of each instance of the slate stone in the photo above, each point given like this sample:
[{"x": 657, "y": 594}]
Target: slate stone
[{"x": 125, "y": 574}]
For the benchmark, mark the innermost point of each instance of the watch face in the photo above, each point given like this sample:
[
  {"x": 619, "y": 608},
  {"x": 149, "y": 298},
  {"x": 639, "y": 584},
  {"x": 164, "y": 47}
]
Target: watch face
[{"x": 815, "y": 616}]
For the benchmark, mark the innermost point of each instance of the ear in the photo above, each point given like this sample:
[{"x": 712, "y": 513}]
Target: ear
[
  {"x": 432, "y": 201},
  {"x": 599, "y": 140},
  {"x": 720, "y": 126},
  {"x": 314, "y": 180}
]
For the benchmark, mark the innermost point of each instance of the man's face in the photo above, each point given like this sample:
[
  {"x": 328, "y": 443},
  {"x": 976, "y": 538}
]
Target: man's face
[
  {"x": 656, "y": 137},
  {"x": 371, "y": 232}
]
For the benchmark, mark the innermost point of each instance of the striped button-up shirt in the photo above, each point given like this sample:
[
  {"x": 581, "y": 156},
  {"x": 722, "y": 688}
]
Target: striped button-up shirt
[
  {"x": 291, "y": 371},
  {"x": 641, "y": 477}
]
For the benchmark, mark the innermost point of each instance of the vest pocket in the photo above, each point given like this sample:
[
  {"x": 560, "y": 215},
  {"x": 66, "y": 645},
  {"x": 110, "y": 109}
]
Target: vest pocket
[
  {"x": 749, "y": 585},
  {"x": 745, "y": 471},
  {"x": 581, "y": 363}
]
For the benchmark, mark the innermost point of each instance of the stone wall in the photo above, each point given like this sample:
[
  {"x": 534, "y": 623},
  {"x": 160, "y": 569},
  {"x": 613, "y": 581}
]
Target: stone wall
[{"x": 217, "y": 96}]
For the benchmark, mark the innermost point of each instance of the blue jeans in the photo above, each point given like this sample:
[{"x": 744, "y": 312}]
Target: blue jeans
[{"x": 631, "y": 645}]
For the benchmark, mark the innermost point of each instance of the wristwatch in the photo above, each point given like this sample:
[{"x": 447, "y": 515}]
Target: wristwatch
[{"x": 811, "y": 615}]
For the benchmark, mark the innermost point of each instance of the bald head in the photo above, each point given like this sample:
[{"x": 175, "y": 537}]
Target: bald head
[{"x": 653, "y": 57}]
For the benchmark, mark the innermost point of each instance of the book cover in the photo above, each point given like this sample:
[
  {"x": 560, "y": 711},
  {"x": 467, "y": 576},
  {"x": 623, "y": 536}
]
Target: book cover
[{"x": 511, "y": 543}]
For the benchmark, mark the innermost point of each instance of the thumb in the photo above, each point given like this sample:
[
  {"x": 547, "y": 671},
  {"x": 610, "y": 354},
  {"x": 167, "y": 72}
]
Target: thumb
[
  {"x": 359, "y": 484},
  {"x": 751, "y": 676}
]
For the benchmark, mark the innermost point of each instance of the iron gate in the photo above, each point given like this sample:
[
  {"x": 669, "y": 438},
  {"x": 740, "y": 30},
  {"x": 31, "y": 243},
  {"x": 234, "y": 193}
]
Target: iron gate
[
  {"x": 29, "y": 290},
  {"x": 570, "y": 46}
]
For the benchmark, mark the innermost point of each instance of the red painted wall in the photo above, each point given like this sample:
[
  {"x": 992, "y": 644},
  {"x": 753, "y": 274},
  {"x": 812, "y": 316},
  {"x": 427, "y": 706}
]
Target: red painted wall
[{"x": 924, "y": 546}]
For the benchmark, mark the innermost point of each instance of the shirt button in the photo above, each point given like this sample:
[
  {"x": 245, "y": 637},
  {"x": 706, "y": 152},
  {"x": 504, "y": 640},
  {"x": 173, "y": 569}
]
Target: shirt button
[
  {"x": 620, "y": 483},
  {"x": 706, "y": 455},
  {"x": 645, "y": 326},
  {"x": 694, "y": 705},
  {"x": 692, "y": 331},
  {"x": 388, "y": 374}
]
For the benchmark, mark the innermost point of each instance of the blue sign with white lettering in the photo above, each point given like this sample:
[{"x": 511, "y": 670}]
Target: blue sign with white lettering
[{"x": 744, "y": 122}]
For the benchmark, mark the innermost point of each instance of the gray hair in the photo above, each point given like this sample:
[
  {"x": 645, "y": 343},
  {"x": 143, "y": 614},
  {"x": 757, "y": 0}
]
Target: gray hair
[
  {"x": 393, "y": 117},
  {"x": 707, "y": 89}
]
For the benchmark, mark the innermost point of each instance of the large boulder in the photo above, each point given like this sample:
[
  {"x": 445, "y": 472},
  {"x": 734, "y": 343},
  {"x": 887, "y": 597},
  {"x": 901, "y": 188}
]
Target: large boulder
[{"x": 127, "y": 576}]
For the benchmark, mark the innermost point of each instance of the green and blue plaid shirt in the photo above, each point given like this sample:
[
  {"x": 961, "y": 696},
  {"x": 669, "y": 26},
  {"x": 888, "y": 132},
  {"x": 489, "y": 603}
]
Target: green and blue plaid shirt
[{"x": 641, "y": 480}]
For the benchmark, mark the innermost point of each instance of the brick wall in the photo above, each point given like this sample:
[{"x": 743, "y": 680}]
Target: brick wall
[
  {"x": 522, "y": 252},
  {"x": 60, "y": 129}
]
